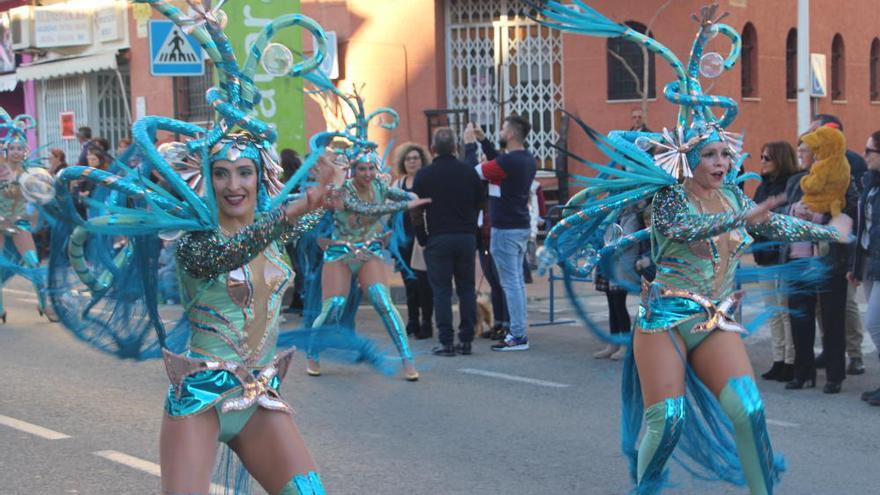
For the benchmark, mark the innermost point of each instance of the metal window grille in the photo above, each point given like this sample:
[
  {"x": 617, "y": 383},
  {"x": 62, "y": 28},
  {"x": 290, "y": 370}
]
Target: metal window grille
[
  {"x": 621, "y": 83},
  {"x": 500, "y": 62},
  {"x": 111, "y": 106},
  {"x": 749, "y": 73},
  {"x": 838, "y": 63},
  {"x": 791, "y": 64},
  {"x": 874, "y": 68},
  {"x": 190, "y": 103},
  {"x": 68, "y": 94}
]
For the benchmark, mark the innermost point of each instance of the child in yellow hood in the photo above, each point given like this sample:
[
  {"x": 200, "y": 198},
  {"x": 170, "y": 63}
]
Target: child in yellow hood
[{"x": 826, "y": 185}]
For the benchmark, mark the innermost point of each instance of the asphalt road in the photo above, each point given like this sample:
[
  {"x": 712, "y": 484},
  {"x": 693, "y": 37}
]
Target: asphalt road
[{"x": 538, "y": 422}]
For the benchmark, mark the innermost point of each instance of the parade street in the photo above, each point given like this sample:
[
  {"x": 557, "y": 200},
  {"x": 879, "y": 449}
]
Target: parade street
[{"x": 73, "y": 421}]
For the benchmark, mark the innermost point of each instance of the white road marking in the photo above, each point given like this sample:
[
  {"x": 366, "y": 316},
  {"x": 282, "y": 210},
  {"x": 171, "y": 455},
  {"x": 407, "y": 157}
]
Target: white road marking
[
  {"x": 513, "y": 378},
  {"x": 782, "y": 423},
  {"x": 32, "y": 429},
  {"x": 140, "y": 464}
]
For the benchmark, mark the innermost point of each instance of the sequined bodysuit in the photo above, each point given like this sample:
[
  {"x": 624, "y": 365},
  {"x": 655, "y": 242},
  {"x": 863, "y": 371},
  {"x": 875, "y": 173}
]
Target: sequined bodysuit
[
  {"x": 13, "y": 206},
  {"x": 232, "y": 286},
  {"x": 697, "y": 248},
  {"x": 357, "y": 231}
]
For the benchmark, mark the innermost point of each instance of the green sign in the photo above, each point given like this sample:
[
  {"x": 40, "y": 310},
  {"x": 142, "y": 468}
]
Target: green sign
[{"x": 283, "y": 99}]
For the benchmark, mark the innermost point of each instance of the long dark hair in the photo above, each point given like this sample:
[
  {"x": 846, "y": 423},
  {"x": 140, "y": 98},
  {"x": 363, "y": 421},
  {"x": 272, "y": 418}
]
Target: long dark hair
[{"x": 784, "y": 156}]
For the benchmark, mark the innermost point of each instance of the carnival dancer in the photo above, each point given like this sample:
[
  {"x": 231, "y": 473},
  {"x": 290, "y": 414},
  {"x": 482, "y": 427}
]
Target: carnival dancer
[
  {"x": 18, "y": 253},
  {"x": 220, "y": 194},
  {"x": 688, "y": 375},
  {"x": 354, "y": 249}
]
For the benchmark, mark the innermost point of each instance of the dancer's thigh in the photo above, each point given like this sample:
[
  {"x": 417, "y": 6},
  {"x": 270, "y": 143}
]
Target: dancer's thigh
[
  {"x": 187, "y": 452},
  {"x": 372, "y": 272},
  {"x": 335, "y": 279},
  {"x": 661, "y": 366},
  {"x": 23, "y": 242},
  {"x": 720, "y": 357},
  {"x": 272, "y": 449}
]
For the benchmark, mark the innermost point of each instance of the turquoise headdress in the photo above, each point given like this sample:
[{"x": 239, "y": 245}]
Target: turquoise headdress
[
  {"x": 15, "y": 128},
  {"x": 170, "y": 190},
  {"x": 676, "y": 148},
  {"x": 633, "y": 173},
  {"x": 185, "y": 200},
  {"x": 362, "y": 148}
]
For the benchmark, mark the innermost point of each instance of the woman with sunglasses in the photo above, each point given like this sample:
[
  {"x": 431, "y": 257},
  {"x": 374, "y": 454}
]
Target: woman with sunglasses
[{"x": 778, "y": 163}]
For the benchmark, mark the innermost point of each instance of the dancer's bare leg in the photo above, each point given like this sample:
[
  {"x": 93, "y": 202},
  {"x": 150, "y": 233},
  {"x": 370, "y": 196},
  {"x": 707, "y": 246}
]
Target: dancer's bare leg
[
  {"x": 273, "y": 450},
  {"x": 187, "y": 452}
]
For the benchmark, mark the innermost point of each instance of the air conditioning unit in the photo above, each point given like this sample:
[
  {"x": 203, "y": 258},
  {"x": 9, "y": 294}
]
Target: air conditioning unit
[{"x": 22, "y": 27}]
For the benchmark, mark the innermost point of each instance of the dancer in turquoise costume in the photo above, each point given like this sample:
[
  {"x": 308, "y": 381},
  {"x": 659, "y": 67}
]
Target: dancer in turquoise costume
[
  {"x": 18, "y": 254},
  {"x": 354, "y": 248},
  {"x": 688, "y": 375},
  {"x": 219, "y": 192}
]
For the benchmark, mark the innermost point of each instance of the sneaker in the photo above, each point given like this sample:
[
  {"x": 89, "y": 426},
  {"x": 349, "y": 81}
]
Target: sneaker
[
  {"x": 606, "y": 351},
  {"x": 870, "y": 393},
  {"x": 511, "y": 343},
  {"x": 617, "y": 356},
  {"x": 856, "y": 367}
]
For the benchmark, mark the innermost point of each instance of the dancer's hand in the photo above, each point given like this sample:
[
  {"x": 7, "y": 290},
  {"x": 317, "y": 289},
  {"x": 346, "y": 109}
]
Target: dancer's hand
[
  {"x": 853, "y": 280},
  {"x": 843, "y": 224},
  {"x": 415, "y": 203},
  {"x": 762, "y": 211}
]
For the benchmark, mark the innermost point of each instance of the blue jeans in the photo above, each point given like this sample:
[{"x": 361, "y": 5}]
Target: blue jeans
[{"x": 508, "y": 246}]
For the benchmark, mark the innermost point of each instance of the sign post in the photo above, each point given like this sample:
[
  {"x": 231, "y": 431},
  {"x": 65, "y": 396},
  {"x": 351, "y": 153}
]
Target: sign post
[
  {"x": 68, "y": 125},
  {"x": 173, "y": 52}
]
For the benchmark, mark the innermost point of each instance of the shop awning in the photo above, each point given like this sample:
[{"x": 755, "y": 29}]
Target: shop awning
[
  {"x": 8, "y": 82},
  {"x": 67, "y": 67}
]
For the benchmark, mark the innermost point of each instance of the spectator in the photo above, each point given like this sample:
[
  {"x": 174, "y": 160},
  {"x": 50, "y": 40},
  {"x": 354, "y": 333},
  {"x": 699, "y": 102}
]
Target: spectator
[
  {"x": 84, "y": 136},
  {"x": 855, "y": 332},
  {"x": 614, "y": 276},
  {"x": 638, "y": 121},
  {"x": 830, "y": 293},
  {"x": 447, "y": 228},
  {"x": 122, "y": 145},
  {"x": 501, "y": 324},
  {"x": 537, "y": 210},
  {"x": 778, "y": 164},
  {"x": 290, "y": 163},
  {"x": 409, "y": 160},
  {"x": 57, "y": 160},
  {"x": 97, "y": 157},
  {"x": 510, "y": 177},
  {"x": 866, "y": 266}
]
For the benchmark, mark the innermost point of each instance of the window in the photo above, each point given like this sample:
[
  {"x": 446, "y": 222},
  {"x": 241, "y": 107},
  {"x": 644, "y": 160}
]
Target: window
[
  {"x": 791, "y": 52},
  {"x": 838, "y": 68},
  {"x": 626, "y": 65},
  {"x": 874, "y": 69},
  {"x": 189, "y": 92},
  {"x": 749, "y": 61}
]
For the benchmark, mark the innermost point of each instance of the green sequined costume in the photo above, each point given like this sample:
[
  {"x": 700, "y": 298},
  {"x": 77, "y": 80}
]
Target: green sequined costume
[
  {"x": 358, "y": 236},
  {"x": 232, "y": 286}
]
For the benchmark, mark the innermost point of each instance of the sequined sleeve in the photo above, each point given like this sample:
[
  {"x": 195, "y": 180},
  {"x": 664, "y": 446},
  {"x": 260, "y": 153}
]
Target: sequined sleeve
[
  {"x": 397, "y": 194},
  {"x": 358, "y": 206},
  {"x": 305, "y": 223},
  {"x": 674, "y": 220},
  {"x": 206, "y": 254},
  {"x": 785, "y": 227}
]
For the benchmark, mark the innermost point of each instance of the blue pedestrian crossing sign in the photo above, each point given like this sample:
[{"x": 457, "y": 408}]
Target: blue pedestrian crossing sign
[{"x": 173, "y": 52}]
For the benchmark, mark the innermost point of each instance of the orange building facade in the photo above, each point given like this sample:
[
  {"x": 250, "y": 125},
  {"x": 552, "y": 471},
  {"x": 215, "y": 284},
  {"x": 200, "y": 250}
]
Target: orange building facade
[{"x": 486, "y": 58}]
